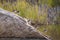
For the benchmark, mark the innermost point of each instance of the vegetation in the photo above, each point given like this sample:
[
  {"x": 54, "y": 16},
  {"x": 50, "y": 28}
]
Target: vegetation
[
  {"x": 34, "y": 13},
  {"x": 23, "y": 7}
]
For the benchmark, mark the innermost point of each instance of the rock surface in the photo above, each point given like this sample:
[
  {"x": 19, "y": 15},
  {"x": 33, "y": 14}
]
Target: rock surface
[{"x": 12, "y": 25}]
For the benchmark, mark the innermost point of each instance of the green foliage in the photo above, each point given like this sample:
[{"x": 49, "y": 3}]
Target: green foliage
[
  {"x": 52, "y": 30},
  {"x": 56, "y": 2},
  {"x": 50, "y": 3}
]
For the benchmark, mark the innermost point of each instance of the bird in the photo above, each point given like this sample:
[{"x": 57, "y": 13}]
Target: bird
[
  {"x": 16, "y": 11},
  {"x": 28, "y": 21}
]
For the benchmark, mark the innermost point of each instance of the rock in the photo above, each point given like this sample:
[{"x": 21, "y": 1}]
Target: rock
[{"x": 12, "y": 25}]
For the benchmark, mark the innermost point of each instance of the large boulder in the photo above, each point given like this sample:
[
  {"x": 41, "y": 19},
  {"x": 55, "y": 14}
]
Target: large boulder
[{"x": 12, "y": 25}]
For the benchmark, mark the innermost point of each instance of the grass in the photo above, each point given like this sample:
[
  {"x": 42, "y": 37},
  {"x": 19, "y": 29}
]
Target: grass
[{"x": 51, "y": 30}]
